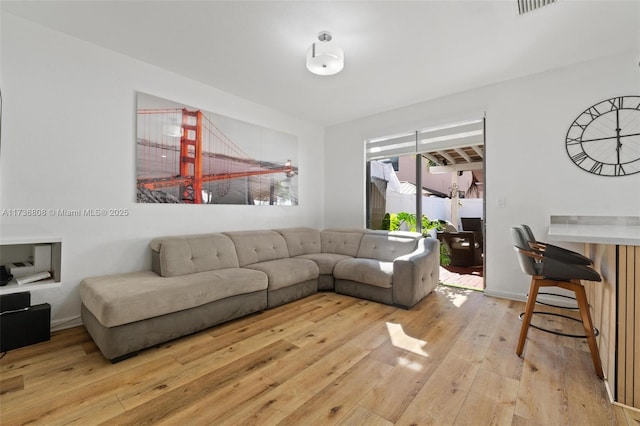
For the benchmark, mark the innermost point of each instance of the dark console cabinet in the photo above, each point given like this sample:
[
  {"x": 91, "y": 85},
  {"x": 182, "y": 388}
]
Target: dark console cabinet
[{"x": 22, "y": 324}]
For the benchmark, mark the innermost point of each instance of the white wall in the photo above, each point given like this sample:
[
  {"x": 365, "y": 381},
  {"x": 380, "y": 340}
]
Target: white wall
[
  {"x": 68, "y": 142},
  {"x": 470, "y": 207},
  {"x": 528, "y": 173}
]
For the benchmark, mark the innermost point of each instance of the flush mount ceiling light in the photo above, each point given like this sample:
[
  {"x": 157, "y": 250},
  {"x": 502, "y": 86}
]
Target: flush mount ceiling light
[{"x": 325, "y": 58}]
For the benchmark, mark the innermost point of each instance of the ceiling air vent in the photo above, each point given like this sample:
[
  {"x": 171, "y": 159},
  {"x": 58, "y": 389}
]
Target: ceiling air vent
[{"x": 526, "y": 6}]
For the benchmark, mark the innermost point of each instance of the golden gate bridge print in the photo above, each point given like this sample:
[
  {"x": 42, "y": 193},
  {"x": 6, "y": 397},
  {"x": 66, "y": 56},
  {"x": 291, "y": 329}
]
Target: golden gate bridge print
[{"x": 183, "y": 157}]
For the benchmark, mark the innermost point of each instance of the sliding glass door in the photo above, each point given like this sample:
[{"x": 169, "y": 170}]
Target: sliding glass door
[{"x": 426, "y": 173}]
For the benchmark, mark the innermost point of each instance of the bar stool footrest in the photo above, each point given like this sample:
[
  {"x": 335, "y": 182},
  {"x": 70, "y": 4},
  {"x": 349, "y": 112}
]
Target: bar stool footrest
[
  {"x": 558, "y": 333},
  {"x": 571, "y": 308}
]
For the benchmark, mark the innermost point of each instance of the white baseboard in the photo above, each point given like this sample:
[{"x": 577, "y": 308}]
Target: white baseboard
[
  {"x": 505, "y": 295},
  {"x": 64, "y": 323}
]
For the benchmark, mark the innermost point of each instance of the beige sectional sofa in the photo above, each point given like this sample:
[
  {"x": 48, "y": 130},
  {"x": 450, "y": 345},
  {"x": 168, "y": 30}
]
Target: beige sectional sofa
[{"x": 197, "y": 281}]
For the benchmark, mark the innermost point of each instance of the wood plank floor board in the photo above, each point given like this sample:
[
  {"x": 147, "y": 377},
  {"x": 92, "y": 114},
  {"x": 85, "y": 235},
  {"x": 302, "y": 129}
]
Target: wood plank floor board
[
  {"x": 65, "y": 408},
  {"x": 480, "y": 409},
  {"x": 329, "y": 305},
  {"x": 491, "y": 400},
  {"x": 333, "y": 402},
  {"x": 66, "y": 374},
  {"x": 362, "y": 416},
  {"x": 11, "y": 384},
  {"x": 98, "y": 411},
  {"x": 218, "y": 404},
  {"x": 482, "y": 328},
  {"x": 227, "y": 348},
  {"x": 100, "y": 378},
  {"x": 86, "y": 391},
  {"x": 304, "y": 309},
  {"x": 300, "y": 387},
  {"x": 325, "y": 359},
  {"x": 544, "y": 358},
  {"x": 357, "y": 315},
  {"x": 167, "y": 404},
  {"x": 580, "y": 387},
  {"x": 31, "y": 362},
  {"x": 411, "y": 372},
  {"x": 501, "y": 357},
  {"x": 439, "y": 400},
  {"x": 310, "y": 358},
  {"x": 521, "y": 421}
]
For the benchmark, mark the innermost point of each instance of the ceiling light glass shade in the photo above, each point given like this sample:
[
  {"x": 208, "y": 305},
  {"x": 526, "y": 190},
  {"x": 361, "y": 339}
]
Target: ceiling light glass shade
[{"x": 324, "y": 58}]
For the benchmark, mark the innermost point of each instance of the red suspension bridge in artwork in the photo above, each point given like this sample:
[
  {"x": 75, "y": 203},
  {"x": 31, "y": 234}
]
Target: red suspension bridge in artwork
[{"x": 184, "y": 149}]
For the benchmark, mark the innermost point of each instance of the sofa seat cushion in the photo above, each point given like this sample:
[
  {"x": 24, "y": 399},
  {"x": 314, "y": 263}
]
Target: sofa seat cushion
[
  {"x": 326, "y": 261},
  {"x": 287, "y": 272},
  {"x": 124, "y": 298},
  {"x": 367, "y": 271}
]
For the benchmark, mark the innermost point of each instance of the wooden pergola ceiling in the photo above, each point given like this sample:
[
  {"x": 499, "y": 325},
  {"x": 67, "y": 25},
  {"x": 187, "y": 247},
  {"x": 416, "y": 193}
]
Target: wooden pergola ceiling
[{"x": 456, "y": 159}]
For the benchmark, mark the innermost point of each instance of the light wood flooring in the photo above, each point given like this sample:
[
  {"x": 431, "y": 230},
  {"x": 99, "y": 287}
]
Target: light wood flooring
[{"x": 326, "y": 359}]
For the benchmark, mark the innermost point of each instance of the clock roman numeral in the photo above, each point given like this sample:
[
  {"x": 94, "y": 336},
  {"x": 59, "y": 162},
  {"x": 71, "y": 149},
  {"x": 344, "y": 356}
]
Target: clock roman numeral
[
  {"x": 573, "y": 141},
  {"x": 615, "y": 103},
  {"x": 576, "y": 124},
  {"x": 579, "y": 157},
  {"x": 593, "y": 112},
  {"x": 596, "y": 168},
  {"x": 619, "y": 170}
]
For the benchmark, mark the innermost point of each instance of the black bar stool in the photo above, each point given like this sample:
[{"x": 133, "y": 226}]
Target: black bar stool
[
  {"x": 549, "y": 272},
  {"x": 549, "y": 250},
  {"x": 559, "y": 253}
]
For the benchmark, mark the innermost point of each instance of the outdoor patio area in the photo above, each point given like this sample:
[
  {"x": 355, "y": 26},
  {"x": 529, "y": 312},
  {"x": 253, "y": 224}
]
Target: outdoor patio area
[{"x": 470, "y": 277}]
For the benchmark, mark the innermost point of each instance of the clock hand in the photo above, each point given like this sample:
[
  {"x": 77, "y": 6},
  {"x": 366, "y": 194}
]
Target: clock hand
[
  {"x": 610, "y": 137},
  {"x": 619, "y": 145}
]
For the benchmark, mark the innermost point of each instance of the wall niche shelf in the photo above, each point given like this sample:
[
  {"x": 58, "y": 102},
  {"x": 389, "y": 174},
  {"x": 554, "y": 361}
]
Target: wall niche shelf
[{"x": 17, "y": 244}]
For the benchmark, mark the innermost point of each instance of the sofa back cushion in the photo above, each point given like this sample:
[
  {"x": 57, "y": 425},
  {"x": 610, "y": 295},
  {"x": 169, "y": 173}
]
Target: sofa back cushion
[
  {"x": 188, "y": 254},
  {"x": 341, "y": 241},
  {"x": 258, "y": 246},
  {"x": 301, "y": 240},
  {"x": 386, "y": 245}
]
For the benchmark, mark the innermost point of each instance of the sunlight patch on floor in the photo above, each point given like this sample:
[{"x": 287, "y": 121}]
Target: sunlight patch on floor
[
  {"x": 458, "y": 300},
  {"x": 401, "y": 340},
  {"x": 411, "y": 365},
  {"x": 455, "y": 295}
]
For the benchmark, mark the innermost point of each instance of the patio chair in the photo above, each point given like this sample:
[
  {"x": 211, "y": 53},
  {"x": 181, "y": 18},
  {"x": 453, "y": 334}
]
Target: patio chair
[
  {"x": 474, "y": 224},
  {"x": 463, "y": 248}
]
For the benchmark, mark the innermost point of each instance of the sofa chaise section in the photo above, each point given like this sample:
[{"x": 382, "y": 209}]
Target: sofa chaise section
[{"x": 196, "y": 283}]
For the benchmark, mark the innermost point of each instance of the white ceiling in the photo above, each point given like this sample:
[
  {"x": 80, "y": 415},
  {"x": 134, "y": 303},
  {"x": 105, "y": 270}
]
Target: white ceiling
[{"x": 397, "y": 53}]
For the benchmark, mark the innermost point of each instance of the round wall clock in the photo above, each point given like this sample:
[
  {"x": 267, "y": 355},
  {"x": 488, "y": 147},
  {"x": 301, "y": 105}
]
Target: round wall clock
[{"x": 605, "y": 138}]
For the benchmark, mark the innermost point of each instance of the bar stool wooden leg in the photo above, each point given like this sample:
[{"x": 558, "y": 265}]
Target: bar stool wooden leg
[
  {"x": 583, "y": 305},
  {"x": 528, "y": 313}
]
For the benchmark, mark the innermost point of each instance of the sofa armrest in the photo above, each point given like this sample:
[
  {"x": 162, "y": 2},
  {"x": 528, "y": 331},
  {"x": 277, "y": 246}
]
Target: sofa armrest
[{"x": 416, "y": 274}]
